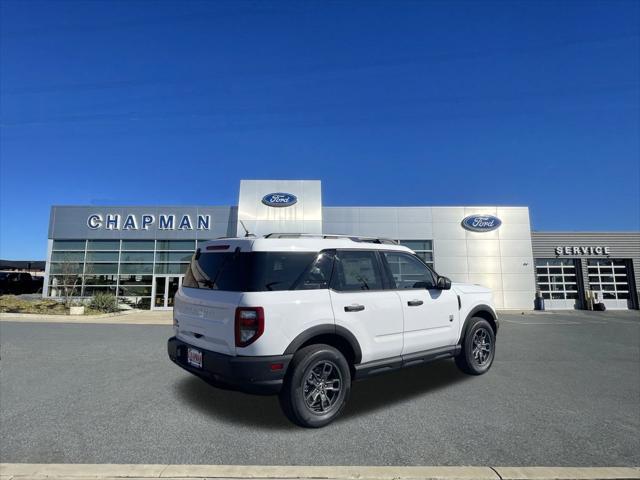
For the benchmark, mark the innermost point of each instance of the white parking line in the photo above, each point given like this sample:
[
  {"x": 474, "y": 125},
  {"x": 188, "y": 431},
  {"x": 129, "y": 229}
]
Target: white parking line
[{"x": 539, "y": 323}]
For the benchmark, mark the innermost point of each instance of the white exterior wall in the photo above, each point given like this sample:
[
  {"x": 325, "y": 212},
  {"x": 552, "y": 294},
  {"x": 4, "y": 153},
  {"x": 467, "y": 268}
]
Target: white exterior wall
[
  {"x": 304, "y": 216},
  {"x": 501, "y": 259},
  {"x": 47, "y": 267}
]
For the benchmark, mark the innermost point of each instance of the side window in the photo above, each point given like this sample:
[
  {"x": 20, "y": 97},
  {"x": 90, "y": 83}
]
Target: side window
[
  {"x": 318, "y": 276},
  {"x": 408, "y": 271},
  {"x": 356, "y": 271}
]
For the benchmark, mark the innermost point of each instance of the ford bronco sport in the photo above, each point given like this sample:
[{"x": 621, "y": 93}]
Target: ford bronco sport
[{"x": 303, "y": 315}]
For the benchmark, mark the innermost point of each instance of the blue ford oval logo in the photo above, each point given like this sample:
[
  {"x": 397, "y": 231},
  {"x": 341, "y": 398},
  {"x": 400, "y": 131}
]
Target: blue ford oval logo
[
  {"x": 481, "y": 223},
  {"x": 279, "y": 199}
]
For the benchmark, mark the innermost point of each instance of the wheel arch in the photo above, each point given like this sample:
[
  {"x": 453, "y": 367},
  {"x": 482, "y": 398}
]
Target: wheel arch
[
  {"x": 482, "y": 311},
  {"x": 334, "y": 335}
]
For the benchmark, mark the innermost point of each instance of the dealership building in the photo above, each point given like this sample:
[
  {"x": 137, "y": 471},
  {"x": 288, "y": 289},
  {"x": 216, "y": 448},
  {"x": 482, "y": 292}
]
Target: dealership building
[{"x": 140, "y": 254}]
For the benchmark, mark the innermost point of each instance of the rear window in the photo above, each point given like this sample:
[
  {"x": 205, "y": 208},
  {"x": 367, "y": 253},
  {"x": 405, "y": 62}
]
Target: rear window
[{"x": 249, "y": 271}]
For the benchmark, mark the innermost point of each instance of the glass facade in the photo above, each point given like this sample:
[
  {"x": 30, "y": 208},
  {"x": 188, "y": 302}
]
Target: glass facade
[
  {"x": 125, "y": 268},
  {"x": 423, "y": 248}
]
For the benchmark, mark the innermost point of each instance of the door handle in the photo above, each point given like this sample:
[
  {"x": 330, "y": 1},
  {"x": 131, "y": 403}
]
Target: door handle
[
  {"x": 415, "y": 303},
  {"x": 354, "y": 308}
]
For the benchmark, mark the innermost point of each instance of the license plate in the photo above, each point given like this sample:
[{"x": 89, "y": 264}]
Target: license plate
[{"x": 194, "y": 357}]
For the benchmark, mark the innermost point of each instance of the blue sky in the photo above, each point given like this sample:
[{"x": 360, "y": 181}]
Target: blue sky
[{"x": 388, "y": 103}]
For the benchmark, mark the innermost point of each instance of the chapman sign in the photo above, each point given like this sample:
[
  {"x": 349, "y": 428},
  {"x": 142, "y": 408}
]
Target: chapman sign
[
  {"x": 588, "y": 250},
  {"x": 146, "y": 221}
]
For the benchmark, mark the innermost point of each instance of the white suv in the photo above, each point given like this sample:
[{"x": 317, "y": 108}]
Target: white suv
[{"x": 304, "y": 315}]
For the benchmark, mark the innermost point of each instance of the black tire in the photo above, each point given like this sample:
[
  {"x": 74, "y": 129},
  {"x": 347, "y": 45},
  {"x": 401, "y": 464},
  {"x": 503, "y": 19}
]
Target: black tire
[
  {"x": 302, "y": 381},
  {"x": 478, "y": 348}
]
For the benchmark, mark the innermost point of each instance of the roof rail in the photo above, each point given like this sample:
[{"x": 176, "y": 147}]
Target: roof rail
[{"x": 353, "y": 238}]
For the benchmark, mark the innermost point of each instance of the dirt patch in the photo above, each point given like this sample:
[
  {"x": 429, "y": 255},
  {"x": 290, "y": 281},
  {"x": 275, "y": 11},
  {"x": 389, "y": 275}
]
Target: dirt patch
[{"x": 14, "y": 304}]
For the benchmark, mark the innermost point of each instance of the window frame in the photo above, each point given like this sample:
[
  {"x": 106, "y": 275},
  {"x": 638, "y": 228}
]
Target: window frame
[
  {"x": 377, "y": 265},
  {"x": 297, "y": 285}
]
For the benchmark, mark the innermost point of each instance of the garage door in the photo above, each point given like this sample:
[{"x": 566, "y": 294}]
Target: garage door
[
  {"x": 610, "y": 280},
  {"x": 558, "y": 283}
]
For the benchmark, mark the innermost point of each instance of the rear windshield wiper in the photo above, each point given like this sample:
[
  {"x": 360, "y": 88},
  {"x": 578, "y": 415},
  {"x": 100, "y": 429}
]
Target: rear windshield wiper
[
  {"x": 207, "y": 283},
  {"x": 270, "y": 284}
]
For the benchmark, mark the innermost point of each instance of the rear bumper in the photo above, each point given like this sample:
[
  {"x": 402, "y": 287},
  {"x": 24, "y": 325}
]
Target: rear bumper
[{"x": 246, "y": 374}]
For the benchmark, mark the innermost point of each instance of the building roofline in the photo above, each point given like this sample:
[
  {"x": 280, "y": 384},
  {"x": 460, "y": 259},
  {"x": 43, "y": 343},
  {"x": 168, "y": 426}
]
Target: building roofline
[
  {"x": 143, "y": 206},
  {"x": 589, "y": 232}
]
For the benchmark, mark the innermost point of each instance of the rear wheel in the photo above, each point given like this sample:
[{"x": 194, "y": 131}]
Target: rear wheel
[
  {"x": 317, "y": 386},
  {"x": 478, "y": 348}
]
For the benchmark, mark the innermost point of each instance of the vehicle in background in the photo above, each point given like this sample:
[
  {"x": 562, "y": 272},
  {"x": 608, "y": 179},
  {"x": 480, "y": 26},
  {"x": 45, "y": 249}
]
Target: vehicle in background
[{"x": 19, "y": 283}]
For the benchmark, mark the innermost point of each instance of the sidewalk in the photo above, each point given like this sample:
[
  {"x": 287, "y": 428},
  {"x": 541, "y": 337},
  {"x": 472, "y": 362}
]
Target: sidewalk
[
  {"x": 17, "y": 471},
  {"x": 126, "y": 317}
]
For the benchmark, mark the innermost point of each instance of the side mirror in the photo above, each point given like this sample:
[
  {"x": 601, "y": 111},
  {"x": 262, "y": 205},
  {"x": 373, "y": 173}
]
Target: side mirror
[{"x": 444, "y": 283}]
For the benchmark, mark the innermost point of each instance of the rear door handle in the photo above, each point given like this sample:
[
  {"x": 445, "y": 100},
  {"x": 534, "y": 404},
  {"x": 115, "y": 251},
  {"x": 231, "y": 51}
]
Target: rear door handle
[
  {"x": 415, "y": 303},
  {"x": 354, "y": 308}
]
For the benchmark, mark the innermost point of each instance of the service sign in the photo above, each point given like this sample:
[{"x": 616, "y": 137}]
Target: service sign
[
  {"x": 279, "y": 199},
  {"x": 583, "y": 250},
  {"x": 481, "y": 223}
]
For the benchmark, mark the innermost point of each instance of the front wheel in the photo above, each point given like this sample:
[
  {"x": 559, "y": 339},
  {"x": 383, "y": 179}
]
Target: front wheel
[
  {"x": 317, "y": 386},
  {"x": 478, "y": 348}
]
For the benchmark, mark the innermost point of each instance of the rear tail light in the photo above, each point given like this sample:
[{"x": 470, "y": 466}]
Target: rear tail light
[{"x": 249, "y": 325}]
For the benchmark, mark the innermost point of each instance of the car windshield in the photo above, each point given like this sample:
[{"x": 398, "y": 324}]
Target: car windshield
[{"x": 247, "y": 271}]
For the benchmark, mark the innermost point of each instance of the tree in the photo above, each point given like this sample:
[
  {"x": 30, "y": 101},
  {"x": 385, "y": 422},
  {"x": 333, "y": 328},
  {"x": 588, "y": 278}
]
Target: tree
[{"x": 69, "y": 272}]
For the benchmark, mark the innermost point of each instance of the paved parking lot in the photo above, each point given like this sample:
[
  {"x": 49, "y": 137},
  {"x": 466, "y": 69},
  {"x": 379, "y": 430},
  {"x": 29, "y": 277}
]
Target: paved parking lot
[{"x": 565, "y": 390}]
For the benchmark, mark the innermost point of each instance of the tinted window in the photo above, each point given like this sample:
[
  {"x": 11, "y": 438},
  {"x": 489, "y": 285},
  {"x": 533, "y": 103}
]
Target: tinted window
[
  {"x": 319, "y": 275},
  {"x": 67, "y": 256},
  {"x": 102, "y": 257},
  {"x": 409, "y": 272},
  {"x": 136, "y": 257},
  {"x": 173, "y": 256},
  {"x": 138, "y": 244},
  {"x": 417, "y": 244},
  {"x": 68, "y": 244},
  {"x": 103, "y": 245},
  {"x": 176, "y": 245},
  {"x": 248, "y": 272},
  {"x": 356, "y": 270}
]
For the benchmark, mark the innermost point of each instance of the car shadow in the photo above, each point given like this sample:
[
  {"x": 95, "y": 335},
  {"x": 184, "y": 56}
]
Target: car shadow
[
  {"x": 384, "y": 390},
  {"x": 367, "y": 396},
  {"x": 233, "y": 407}
]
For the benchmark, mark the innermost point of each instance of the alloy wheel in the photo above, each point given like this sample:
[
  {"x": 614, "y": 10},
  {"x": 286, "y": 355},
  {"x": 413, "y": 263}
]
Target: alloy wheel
[
  {"x": 322, "y": 387},
  {"x": 481, "y": 347}
]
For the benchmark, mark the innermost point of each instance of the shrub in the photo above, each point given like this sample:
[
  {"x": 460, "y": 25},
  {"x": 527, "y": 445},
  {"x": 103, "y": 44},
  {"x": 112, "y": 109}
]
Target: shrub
[{"x": 104, "y": 302}]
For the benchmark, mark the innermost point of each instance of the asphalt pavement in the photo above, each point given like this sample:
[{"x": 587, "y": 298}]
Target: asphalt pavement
[{"x": 564, "y": 390}]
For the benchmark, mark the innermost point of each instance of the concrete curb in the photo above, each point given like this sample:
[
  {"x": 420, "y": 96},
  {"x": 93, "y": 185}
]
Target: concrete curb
[
  {"x": 127, "y": 317},
  {"x": 54, "y": 316},
  {"x": 22, "y": 471},
  {"x": 567, "y": 473}
]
